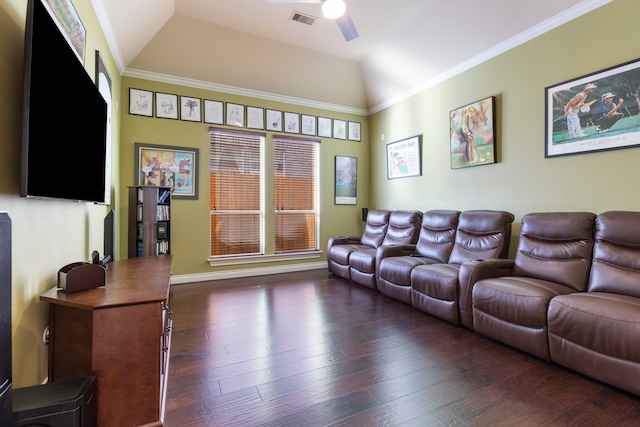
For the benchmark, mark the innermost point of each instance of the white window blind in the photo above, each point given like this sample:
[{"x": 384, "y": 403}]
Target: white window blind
[
  {"x": 236, "y": 183},
  {"x": 295, "y": 169}
]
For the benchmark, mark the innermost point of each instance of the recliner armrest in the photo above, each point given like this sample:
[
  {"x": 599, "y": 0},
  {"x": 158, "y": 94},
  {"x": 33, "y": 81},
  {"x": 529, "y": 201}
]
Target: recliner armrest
[
  {"x": 343, "y": 240},
  {"x": 470, "y": 273},
  {"x": 395, "y": 250}
]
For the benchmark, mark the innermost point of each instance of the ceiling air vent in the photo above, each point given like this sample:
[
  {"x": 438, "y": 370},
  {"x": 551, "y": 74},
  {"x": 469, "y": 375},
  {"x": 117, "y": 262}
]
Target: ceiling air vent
[{"x": 301, "y": 17}]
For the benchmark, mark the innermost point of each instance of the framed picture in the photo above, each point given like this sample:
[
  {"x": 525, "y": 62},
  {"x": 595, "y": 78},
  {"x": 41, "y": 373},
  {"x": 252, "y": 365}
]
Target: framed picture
[
  {"x": 190, "y": 109},
  {"x": 472, "y": 132},
  {"x": 140, "y": 102},
  {"x": 104, "y": 85},
  {"x": 66, "y": 18},
  {"x": 339, "y": 129},
  {"x": 167, "y": 166},
  {"x": 354, "y": 131},
  {"x": 346, "y": 191},
  {"x": 166, "y": 106},
  {"x": 596, "y": 112},
  {"x": 213, "y": 112},
  {"x": 291, "y": 122},
  {"x": 308, "y": 125},
  {"x": 325, "y": 127},
  {"x": 235, "y": 115},
  {"x": 274, "y": 120},
  {"x": 403, "y": 158},
  {"x": 255, "y": 118}
]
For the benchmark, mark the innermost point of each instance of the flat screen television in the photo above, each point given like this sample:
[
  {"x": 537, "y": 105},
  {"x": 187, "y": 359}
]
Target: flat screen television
[{"x": 64, "y": 134}]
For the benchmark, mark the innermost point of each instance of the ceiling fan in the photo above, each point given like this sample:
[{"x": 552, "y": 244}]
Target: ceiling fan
[{"x": 331, "y": 9}]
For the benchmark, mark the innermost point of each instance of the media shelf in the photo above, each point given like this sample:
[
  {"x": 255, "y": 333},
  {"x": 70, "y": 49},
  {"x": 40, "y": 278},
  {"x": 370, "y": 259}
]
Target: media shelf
[{"x": 149, "y": 221}]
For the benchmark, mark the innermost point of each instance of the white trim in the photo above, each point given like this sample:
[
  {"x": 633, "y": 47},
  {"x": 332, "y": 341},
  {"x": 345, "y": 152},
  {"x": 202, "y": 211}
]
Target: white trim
[
  {"x": 247, "y": 272},
  {"x": 256, "y": 259},
  {"x": 107, "y": 29},
  {"x": 232, "y": 90}
]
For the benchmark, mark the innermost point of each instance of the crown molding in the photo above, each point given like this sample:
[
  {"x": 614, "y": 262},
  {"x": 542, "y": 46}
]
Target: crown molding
[
  {"x": 232, "y": 90},
  {"x": 521, "y": 38}
]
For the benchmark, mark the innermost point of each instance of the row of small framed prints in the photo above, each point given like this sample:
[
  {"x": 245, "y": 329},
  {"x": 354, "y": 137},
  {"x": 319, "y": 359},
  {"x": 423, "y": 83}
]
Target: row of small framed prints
[{"x": 166, "y": 106}]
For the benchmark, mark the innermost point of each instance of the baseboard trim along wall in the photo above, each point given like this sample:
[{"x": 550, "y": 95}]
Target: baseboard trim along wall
[{"x": 246, "y": 272}]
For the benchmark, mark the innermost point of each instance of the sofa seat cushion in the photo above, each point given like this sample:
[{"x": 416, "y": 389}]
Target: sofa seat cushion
[
  {"x": 434, "y": 290},
  {"x": 439, "y": 281},
  {"x": 605, "y": 323},
  {"x": 519, "y": 300},
  {"x": 397, "y": 270},
  {"x": 341, "y": 253},
  {"x": 363, "y": 260},
  {"x": 513, "y": 310}
]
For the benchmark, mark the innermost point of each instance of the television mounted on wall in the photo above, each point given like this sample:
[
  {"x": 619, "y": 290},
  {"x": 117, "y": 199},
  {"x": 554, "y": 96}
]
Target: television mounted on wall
[{"x": 64, "y": 133}]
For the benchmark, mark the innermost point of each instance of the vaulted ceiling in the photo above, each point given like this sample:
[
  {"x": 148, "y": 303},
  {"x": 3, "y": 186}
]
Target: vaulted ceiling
[{"x": 403, "y": 45}]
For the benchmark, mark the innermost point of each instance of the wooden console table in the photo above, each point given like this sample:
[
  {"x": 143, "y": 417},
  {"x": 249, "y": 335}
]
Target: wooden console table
[{"x": 120, "y": 333}]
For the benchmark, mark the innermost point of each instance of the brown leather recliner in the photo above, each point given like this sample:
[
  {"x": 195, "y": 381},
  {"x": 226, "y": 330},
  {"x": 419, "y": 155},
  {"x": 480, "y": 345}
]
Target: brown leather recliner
[
  {"x": 404, "y": 227},
  {"x": 339, "y": 248},
  {"x": 553, "y": 258},
  {"x": 435, "y": 242},
  {"x": 597, "y": 332},
  {"x": 444, "y": 290}
]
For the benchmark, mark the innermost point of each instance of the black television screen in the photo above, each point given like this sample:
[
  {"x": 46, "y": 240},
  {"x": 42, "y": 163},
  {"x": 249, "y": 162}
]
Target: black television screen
[{"x": 64, "y": 117}]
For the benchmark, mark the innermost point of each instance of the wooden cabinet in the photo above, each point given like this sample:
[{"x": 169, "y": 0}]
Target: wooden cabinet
[
  {"x": 121, "y": 333},
  {"x": 149, "y": 221}
]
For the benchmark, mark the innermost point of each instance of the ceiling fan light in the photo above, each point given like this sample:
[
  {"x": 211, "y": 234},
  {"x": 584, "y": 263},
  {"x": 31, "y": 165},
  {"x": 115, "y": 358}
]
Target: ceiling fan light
[{"x": 333, "y": 9}]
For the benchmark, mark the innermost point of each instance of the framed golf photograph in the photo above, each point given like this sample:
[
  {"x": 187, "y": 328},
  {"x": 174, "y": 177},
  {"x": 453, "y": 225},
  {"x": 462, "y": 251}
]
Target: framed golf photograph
[
  {"x": 403, "y": 158},
  {"x": 596, "y": 112},
  {"x": 346, "y": 180},
  {"x": 472, "y": 131}
]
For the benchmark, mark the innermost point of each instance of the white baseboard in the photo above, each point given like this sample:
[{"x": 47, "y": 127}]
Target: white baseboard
[{"x": 246, "y": 272}]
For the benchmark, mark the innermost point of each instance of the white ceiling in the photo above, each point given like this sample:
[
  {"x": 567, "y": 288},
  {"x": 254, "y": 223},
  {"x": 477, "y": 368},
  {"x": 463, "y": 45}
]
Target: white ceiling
[{"x": 403, "y": 44}]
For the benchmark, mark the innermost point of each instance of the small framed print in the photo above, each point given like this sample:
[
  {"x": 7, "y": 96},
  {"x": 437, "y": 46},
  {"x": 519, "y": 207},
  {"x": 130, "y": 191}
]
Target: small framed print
[
  {"x": 291, "y": 122},
  {"x": 140, "y": 102},
  {"x": 354, "y": 131},
  {"x": 190, "y": 109},
  {"x": 346, "y": 189},
  {"x": 324, "y": 127},
  {"x": 339, "y": 129},
  {"x": 255, "y": 118},
  {"x": 308, "y": 125},
  {"x": 235, "y": 115},
  {"x": 213, "y": 112},
  {"x": 166, "y": 106},
  {"x": 274, "y": 120}
]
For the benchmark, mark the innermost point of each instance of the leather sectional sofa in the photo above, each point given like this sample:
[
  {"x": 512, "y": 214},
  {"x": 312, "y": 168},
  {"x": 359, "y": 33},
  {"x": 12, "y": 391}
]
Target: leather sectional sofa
[{"x": 570, "y": 295}]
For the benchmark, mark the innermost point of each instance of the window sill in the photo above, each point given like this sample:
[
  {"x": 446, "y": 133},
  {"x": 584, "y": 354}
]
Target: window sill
[{"x": 256, "y": 259}]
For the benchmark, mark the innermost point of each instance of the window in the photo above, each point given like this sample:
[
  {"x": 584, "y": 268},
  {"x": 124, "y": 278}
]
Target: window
[
  {"x": 236, "y": 197},
  {"x": 295, "y": 181}
]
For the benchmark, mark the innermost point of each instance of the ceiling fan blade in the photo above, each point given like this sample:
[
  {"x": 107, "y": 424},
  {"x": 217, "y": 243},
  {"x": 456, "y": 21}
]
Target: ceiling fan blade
[
  {"x": 346, "y": 26},
  {"x": 293, "y": 1}
]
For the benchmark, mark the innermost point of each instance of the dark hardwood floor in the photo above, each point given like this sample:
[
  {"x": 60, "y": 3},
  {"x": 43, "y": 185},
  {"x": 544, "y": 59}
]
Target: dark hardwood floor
[{"x": 310, "y": 349}]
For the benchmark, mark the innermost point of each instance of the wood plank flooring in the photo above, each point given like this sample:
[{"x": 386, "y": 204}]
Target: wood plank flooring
[{"x": 311, "y": 349}]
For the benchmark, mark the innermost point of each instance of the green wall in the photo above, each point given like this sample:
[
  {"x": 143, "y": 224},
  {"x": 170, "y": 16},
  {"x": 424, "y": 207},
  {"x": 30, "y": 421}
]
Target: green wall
[
  {"x": 46, "y": 234},
  {"x": 523, "y": 180},
  {"x": 190, "y": 218}
]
